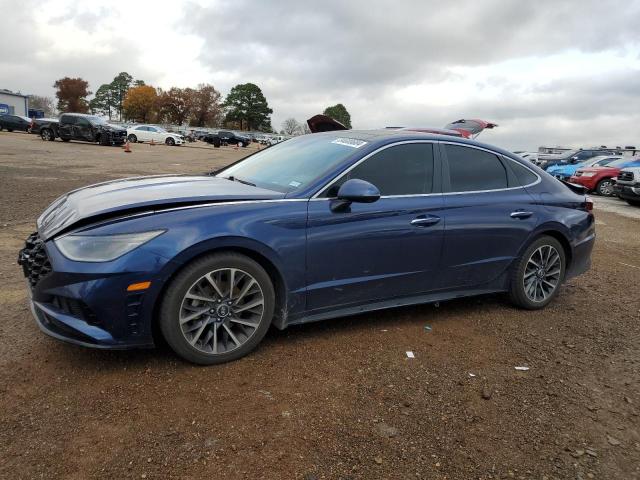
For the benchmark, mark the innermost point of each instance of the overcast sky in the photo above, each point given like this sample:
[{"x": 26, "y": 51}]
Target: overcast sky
[{"x": 548, "y": 72}]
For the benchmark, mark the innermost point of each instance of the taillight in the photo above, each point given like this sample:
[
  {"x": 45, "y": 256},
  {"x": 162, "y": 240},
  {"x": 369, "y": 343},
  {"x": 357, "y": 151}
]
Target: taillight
[{"x": 588, "y": 204}]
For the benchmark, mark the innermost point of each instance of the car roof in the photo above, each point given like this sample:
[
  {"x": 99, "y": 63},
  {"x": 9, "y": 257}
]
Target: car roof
[{"x": 383, "y": 136}]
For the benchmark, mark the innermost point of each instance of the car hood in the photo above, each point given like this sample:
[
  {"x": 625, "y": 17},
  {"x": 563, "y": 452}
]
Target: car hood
[
  {"x": 324, "y": 123},
  {"x": 599, "y": 169},
  {"x": 112, "y": 126},
  {"x": 470, "y": 128},
  {"x": 138, "y": 194}
]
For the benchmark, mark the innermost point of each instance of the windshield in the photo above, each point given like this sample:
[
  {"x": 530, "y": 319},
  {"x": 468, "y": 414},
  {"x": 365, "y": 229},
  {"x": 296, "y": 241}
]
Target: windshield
[
  {"x": 96, "y": 120},
  {"x": 293, "y": 164}
]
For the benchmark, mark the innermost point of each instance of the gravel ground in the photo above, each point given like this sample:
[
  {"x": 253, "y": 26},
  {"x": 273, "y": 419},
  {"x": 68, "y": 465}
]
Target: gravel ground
[{"x": 333, "y": 400}]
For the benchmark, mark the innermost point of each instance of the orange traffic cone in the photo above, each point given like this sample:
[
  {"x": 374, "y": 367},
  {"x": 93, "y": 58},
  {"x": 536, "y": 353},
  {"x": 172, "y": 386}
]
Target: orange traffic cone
[
  {"x": 127, "y": 148},
  {"x": 152, "y": 142}
]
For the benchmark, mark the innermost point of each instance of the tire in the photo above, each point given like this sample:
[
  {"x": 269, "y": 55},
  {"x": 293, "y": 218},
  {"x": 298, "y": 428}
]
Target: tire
[
  {"x": 218, "y": 325},
  {"x": 66, "y": 139},
  {"x": 47, "y": 135},
  {"x": 105, "y": 139},
  {"x": 522, "y": 279},
  {"x": 132, "y": 138},
  {"x": 635, "y": 203},
  {"x": 216, "y": 142},
  {"x": 605, "y": 187},
  {"x": 170, "y": 141},
  {"x": 9, "y": 129}
]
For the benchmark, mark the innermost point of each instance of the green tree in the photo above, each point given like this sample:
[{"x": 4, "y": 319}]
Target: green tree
[
  {"x": 119, "y": 88},
  {"x": 246, "y": 105},
  {"x": 339, "y": 112},
  {"x": 103, "y": 102},
  {"x": 72, "y": 95}
]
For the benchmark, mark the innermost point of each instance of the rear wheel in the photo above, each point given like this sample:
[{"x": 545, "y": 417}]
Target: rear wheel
[
  {"x": 538, "y": 273},
  {"x": 605, "y": 187},
  {"x": 47, "y": 135},
  {"x": 217, "y": 309}
]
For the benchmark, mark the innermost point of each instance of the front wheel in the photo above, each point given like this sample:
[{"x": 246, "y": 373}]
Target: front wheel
[
  {"x": 105, "y": 139},
  {"x": 536, "y": 278},
  {"x": 605, "y": 187},
  {"x": 132, "y": 138},
  {"x": 217, "y": 309},
  {"x": 170, "y": 141}
]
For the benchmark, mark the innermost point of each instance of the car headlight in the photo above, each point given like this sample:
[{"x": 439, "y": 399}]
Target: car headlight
[
  {"x": 102, "y": 248},
  {"x": 588, "y": 174}
]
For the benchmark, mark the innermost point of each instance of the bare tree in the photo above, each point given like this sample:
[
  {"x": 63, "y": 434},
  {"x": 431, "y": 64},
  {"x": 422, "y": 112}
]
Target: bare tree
[
  {"x": 291, "y": 126},
  {"x": 45, "y": 104}
]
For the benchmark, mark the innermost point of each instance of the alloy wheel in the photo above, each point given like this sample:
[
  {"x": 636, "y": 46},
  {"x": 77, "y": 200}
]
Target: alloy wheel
[
  {"x": 606, "y": 188},
  {"x": 221, "y": 311},
  {"x": 542, "y": 273}
]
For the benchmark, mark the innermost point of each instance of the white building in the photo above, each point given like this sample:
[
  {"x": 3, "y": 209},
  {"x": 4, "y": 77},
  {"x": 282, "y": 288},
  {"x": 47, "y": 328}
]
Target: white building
[{"x": 13, "y": 103}]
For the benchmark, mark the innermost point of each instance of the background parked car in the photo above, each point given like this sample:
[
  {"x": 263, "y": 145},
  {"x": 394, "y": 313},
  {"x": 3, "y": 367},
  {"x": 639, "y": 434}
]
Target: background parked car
[
  {"x": 37, "y": 124},
  {"x": 146, "y": 133},
  {"x": 627, "y": 185},
  {"x": 231, "y": 138},
  {"x": 601, "y": 179},
  {"x": 564, "y": 172},
  {"x": 15, "y": 122},
  {"x": 575, "y": 156},
  {"x": 85, "y": 128},
  {"x": 529, "y": 156}
]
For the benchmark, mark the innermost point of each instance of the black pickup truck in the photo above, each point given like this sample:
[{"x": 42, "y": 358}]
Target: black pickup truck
[{"x": 85, "y": 128}]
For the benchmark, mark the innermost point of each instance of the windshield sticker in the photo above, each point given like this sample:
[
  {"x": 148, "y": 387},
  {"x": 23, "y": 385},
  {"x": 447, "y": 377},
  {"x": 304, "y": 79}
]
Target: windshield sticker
[
  {"x": 350, "y": 142},
  {"x": 294, "y": 184}
]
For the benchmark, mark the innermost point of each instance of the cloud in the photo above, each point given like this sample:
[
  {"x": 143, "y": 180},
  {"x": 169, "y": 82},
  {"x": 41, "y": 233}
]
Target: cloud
[{"x": 546, "y": 71}]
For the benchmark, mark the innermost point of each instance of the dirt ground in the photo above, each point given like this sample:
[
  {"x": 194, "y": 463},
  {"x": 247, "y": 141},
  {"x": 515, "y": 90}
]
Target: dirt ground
[{"x": 333, "y": 400}]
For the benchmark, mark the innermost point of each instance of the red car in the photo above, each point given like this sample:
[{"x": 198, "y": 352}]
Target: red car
[{"x": 601, "y": 179}]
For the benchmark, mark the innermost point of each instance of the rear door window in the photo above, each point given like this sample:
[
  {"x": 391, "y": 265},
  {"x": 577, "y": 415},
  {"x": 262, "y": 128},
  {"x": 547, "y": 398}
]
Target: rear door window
[{"x": 471, "y": 169}]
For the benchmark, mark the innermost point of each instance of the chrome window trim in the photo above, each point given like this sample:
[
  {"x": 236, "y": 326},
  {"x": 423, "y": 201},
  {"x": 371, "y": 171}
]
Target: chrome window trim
[
  {"x": 384, "y": 147},
  {"x": 316, "y": 197}
]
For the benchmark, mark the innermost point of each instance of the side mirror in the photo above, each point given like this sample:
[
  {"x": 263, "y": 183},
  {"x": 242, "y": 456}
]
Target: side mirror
[
  {"x": 359, "y": 191},
  {"x": 354, "y": 190}
]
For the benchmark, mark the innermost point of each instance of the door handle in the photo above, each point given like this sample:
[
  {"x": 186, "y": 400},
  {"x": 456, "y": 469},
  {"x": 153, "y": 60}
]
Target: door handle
[
  {"x": 425, "y": 221},
  {"x": 521, "y": 214}
]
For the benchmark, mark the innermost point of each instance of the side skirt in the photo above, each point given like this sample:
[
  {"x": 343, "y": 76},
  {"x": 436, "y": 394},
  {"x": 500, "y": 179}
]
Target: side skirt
[{"x": 393, "y": 303}]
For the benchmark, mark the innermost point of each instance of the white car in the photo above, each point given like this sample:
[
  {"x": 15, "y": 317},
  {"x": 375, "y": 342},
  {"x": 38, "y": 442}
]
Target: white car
[{"x": 146, "y": 133}]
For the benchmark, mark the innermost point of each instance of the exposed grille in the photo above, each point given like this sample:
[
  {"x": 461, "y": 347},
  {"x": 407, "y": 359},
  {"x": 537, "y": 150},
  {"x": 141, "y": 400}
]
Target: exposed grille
[
  {"x": 75, "y": 308},
  {"x": 34, "y": 260},
  {"x": 578, "y": 173},
  {"x": 625, "y": 176}
]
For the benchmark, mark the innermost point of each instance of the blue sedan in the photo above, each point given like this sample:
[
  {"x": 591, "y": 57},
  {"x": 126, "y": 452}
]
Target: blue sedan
[{"x": 320, "y": 226}]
